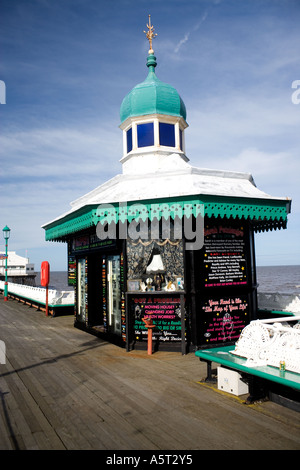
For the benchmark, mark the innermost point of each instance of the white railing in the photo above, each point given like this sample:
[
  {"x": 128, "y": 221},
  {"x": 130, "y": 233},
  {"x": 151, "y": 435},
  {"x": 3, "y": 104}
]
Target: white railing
[
  {"x": 38, "y": 294},
  {"x": 14, "y": 271},
  {"x": 289, "y": 303}
]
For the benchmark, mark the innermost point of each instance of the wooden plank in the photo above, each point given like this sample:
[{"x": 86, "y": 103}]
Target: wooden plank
[{"x": 64, "y": 388}]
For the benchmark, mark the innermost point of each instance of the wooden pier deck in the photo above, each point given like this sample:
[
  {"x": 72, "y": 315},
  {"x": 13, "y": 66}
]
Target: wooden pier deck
[{"x": 62, "y": 388}]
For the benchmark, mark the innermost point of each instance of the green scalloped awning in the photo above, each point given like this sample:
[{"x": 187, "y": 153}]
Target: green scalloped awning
[{"x": 266, "y": 214}]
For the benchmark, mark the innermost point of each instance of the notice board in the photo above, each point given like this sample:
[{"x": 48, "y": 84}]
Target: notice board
[
  {"x": 71, "y": 266},
  {"x": 224, "y": 259},
  {"x": 223, "y": 319},
  {"x": 165, "y": 313}
]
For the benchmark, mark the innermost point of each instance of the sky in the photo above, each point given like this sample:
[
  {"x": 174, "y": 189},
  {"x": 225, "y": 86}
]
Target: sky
[{"x": 66, "y": 65}]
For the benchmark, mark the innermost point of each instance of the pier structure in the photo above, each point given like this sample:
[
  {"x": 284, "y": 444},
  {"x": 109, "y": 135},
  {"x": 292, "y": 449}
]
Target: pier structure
[
  {"x": 58, "y": 301},
  {"x": 62, "y": 389}
]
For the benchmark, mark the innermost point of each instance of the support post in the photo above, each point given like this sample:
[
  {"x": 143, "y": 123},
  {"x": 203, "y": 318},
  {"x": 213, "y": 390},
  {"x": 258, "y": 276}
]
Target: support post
[
  {"x": 149, "y": 350},
  {"x": 149, "y": 325},
  {"x": 47, "y": 301}
]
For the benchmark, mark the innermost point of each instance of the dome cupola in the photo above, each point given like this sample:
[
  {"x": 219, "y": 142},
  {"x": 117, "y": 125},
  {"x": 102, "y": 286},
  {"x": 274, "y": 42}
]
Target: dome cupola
[
  {"x": 153, "y": 119},
  {"x": 152, "y": 96}
]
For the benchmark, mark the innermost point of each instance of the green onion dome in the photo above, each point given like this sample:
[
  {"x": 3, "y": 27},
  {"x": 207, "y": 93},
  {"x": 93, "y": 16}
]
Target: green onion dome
[{"x": 152, "y": 96}]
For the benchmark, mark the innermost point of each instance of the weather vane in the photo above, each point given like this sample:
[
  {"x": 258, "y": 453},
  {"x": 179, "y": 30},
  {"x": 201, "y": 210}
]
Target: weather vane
[{"x": 150, "y": 35}]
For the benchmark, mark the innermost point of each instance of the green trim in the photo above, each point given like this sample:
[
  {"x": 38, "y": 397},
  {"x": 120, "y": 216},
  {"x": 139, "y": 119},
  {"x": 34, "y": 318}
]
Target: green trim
[
  {"x": 35, "y": 301},
  {"x": 222, "y": 356},
  {"x": 264, "y": 214},
  {"x": 275, "y": 312},
  {"x": 74, "y": 222}
]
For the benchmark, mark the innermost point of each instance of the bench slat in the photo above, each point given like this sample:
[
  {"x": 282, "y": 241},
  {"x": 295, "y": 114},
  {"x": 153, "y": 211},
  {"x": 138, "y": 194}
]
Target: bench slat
[{"x": 222, "y": 356}]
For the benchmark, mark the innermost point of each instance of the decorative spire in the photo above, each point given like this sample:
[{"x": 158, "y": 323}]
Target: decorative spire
[{"x": 150, "y": 35}]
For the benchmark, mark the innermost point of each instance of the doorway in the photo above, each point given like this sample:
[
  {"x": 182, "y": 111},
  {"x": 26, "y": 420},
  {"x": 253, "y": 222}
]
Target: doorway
[
  {"x": 114, "y": 294},
  {"x": 81, "y": 290}
]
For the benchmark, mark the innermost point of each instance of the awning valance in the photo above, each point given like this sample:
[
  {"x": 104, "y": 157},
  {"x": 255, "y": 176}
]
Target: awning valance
[{"x": 266, "y": 214}]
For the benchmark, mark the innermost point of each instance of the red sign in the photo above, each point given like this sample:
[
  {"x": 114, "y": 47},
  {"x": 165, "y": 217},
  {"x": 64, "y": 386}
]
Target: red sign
[{"x": 45, "y": 273}]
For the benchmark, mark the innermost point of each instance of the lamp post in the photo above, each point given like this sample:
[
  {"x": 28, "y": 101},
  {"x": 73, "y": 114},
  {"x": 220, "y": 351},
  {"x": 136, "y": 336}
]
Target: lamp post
[{"x": 6, "y": 235}]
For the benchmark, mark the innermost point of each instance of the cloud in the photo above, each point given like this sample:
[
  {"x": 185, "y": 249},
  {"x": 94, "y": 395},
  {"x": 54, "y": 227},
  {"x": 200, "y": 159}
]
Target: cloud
[
  {"x": 181, "y": 42},
  {"x": 59, "y": 152},
  {"x": 187, "y": 35},
  {"x": 46, "y": 168},
  {"x": 273, "y": 170}
]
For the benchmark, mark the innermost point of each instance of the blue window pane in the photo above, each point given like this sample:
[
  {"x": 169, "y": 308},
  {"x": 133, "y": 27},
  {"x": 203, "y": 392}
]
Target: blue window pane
[
  {"x": 145, "y": 134},
  {"x": 129, "y": 140},
  {"x": 166, "y": 134},
  {"x": 180, "y": 136}
]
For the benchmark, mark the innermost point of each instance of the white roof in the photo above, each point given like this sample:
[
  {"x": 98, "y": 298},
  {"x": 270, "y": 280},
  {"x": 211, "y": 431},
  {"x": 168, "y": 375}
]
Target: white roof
[
  {"x": 170, "y": 177},
  {"x": 14, "y": 259}
]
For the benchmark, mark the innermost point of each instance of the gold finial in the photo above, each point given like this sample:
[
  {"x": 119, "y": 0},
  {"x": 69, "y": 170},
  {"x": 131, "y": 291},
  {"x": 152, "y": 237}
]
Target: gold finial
[{"x": 150, "y": 35}]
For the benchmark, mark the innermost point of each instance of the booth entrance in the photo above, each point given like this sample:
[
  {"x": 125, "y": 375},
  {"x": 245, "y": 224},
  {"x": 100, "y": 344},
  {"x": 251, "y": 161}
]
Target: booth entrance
[
  {"x": 81, "y": 290},
  {"x": 99, "y": 293},
  {"x": 113, "y": 294}
]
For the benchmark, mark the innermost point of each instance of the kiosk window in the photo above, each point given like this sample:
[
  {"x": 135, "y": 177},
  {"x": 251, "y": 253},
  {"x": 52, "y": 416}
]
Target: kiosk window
[
  {"x": 145, "y": 134},
  {"x": 129, "y": 140},
  {"x": 166, "y": 134}
]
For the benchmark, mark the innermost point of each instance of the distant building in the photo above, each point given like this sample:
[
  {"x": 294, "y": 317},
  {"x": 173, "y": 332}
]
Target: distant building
[
  {"x": 19, "y": 270},
  {"x": 164, "y": 239}
]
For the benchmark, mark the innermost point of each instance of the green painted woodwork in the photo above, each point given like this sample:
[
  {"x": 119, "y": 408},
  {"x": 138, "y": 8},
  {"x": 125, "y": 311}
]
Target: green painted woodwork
[
  {"x": 152, "y": 96},
  {"x": 75, "y": 222},
  {"x": 222, "y": 356},
  {"x": 263, "y": 214}
]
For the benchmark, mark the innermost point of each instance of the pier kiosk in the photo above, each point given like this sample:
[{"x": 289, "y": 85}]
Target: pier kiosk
[{"x": 165, "y": 239}]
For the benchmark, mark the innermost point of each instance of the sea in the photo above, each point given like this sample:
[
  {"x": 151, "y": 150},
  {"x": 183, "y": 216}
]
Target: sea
[{"x": 281, "y": 279}]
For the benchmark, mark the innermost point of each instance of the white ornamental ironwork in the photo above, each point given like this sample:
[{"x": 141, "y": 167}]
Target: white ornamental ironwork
[{"x": 271, "y": 342}]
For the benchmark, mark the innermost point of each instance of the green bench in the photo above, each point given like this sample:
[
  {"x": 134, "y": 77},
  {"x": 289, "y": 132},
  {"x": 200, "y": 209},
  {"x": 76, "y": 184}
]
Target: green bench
[{"x": 257, "y": 378}]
